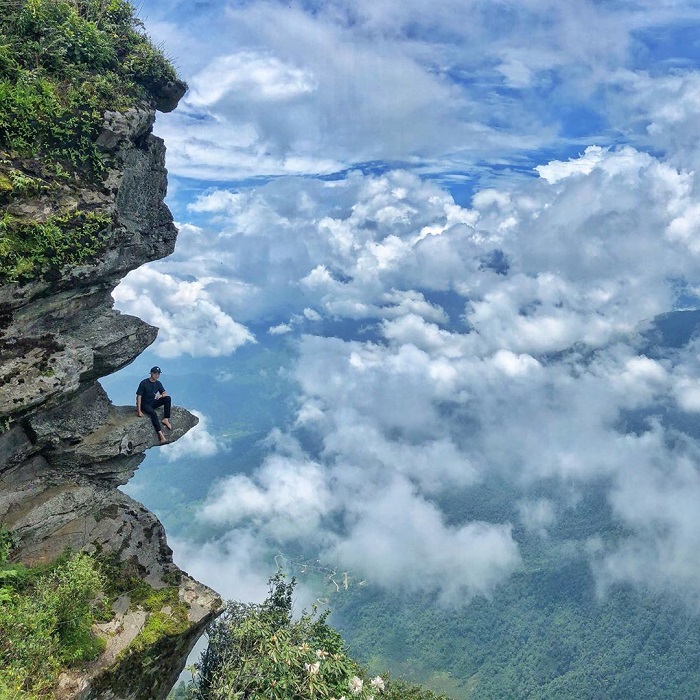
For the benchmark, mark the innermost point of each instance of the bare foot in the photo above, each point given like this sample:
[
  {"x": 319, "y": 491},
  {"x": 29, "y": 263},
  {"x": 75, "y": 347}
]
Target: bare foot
[
  {"x": 166, "y": 423},
  {"x": 162, "y": 439}
]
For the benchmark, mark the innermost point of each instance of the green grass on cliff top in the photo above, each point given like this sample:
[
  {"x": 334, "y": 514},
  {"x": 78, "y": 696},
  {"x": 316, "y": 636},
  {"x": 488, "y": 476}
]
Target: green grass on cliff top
[
  {"x": 46, "y": 616},
  {"x": 63, "y": 63}
]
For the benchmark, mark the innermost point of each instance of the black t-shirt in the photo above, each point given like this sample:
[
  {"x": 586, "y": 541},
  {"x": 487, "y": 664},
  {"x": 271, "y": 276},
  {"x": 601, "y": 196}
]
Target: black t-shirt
[{"x": 147, "y": 390}]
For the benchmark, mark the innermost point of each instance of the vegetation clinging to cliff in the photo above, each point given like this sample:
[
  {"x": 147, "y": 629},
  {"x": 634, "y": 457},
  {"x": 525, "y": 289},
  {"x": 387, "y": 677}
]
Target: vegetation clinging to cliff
[
  {"x": 46, "y": 615},
  {"x": 262, "y": 651},
  {"x": 62, "y": 64},
  {"x": 28, "y": 248}
]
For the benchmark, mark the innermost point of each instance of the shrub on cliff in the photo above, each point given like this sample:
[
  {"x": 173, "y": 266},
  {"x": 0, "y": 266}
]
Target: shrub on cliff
[
  {"x": 261, "y": 651},
  {"x": 46, "y": 617},
  {"x": 62, "y": 64}
]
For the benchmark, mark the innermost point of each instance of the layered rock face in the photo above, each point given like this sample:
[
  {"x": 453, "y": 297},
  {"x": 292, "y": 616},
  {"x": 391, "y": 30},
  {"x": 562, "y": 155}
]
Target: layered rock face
[{"x": 64, "y": 448}]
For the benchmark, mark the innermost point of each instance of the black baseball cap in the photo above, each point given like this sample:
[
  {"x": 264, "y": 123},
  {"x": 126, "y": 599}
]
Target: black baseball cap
[{"x": 156, "y": 370}]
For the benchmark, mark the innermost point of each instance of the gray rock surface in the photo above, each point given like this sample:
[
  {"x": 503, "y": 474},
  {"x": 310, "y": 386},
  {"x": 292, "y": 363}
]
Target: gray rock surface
[
  {"x": 123, "y": 127},
  {"x": 169, "y": 94},
  {"x": 64, "y": 447}
]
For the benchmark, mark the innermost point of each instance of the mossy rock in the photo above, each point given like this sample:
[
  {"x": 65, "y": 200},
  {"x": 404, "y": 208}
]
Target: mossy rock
[
  {"x": 148, "y": 667},
  {"x": 5, "y": 183}
]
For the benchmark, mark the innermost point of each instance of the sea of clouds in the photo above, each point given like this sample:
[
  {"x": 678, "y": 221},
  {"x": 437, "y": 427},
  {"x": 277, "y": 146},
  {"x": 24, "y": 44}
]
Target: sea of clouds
[
  {"x": 528, "y": 382},
  {"x": 498, "y": 337}
]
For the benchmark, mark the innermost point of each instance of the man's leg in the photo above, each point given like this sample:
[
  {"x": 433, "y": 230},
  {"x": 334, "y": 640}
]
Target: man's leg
[
  {"x": 150, "y": 410},
  {"x": 166, "y": 403}
]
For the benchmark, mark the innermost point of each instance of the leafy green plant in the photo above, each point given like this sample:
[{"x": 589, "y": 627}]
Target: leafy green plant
[
  {"x": 10, "y": 574},
  {"x": 31, "y": 248},
  {"x": 7, "y": 543},
  {"x": 263, "y": 651},
  {"x": 45, "y": 624},
  {"x": 23, "y": 184},
  {"x": 62, "y": 64}
]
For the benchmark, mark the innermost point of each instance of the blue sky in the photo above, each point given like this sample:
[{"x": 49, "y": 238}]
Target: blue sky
[
  {"x": 363, "y": 164},
  {"x": 309, "y": 88}
]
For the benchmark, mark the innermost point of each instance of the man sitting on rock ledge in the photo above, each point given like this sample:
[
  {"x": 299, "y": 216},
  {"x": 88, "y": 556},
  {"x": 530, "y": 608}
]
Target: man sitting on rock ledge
[{"x": 151, "y": 395}]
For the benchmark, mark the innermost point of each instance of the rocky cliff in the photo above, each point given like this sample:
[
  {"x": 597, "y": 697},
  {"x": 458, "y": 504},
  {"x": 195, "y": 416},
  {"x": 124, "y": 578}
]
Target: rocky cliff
[{"x": 64, "y": 448}]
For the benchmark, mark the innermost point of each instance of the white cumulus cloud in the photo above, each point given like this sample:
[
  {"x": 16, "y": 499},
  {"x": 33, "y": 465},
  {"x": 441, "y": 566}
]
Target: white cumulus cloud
[
  {"x": 196, "y": 443},
  {"x": 189, "y": 321},
  {"x": 526, "y": 370}
]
